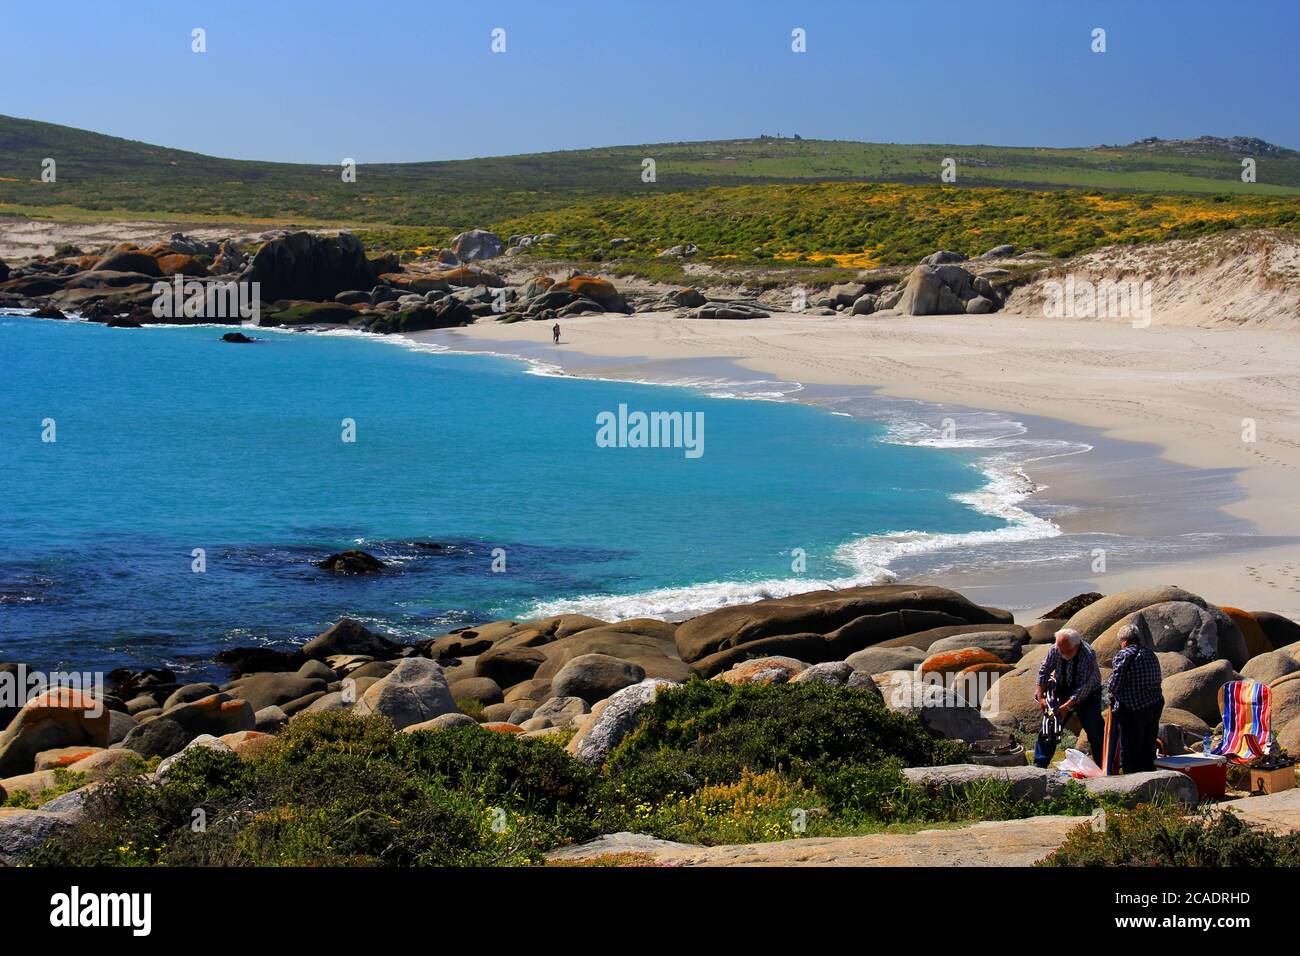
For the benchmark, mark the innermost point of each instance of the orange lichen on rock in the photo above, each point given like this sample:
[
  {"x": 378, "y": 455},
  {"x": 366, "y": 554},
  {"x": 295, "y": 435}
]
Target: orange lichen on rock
[
  {"x": 951, "y": 662},
  {"x": 179, "y": 264},
  {"x": 1257, "y": 641},
  {"x": 502, "y": 727}
]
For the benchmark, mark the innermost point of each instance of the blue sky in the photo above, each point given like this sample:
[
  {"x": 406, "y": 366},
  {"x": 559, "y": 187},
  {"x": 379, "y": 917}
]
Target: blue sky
[{"x": 396, "y": 81}]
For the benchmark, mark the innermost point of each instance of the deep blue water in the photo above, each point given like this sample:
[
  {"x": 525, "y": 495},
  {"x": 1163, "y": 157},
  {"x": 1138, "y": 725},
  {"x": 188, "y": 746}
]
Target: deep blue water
[{"x": 170, "y": 440}]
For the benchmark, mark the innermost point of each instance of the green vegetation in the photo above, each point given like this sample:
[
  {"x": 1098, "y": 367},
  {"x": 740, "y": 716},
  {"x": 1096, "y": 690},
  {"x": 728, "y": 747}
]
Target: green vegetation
[
  {"x": 1157, "y": 835},
  {"x": 711, "y": 732},
  {"x": 710, "y": 763},
  {"x": 862, "y": 225},
  {"x": 65, "y": 781},
  {"x": 335, "y": 789},
  {"x": 758, "y": 202},
  {"x": 717, "y": 763},
  {"x": 99, "y": 172},
  {"x": 471, "y": 708}
]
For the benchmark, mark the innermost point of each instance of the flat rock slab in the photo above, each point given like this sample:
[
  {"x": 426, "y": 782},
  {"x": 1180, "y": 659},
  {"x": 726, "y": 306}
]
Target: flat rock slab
[
  {"x": 1135, "y": 788},
  {"x": 1003, "y": 843},
  {"x": 616, "y": 843},
  {"x": 1279, "y": 812},
  {"x": 22, "y": 831},
  {"x": 1027, "y": 783}
]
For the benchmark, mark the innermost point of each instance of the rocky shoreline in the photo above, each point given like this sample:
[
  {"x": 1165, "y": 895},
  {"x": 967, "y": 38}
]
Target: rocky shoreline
[
  {"x": 307, "y": 279},
  {"x": 964, "y": 672}
]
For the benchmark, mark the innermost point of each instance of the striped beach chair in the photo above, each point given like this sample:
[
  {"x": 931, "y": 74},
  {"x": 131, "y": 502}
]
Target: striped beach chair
[{"x": 1245, "y": 705}]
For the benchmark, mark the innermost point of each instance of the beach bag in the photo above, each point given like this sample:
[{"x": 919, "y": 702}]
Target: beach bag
[{"x": 1079, "y": 764}]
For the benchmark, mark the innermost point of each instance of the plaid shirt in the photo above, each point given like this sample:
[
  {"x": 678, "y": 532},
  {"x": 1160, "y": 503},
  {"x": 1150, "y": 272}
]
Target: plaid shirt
[
  {"x": 1079, "y": 675},
  {"x": 1135, "y": 680}
]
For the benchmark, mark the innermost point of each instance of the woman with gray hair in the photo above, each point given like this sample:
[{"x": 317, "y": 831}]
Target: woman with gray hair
[{"x": 1071, "y": 669}]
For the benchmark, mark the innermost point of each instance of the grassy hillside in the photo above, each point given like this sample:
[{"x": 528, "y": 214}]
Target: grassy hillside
[
  {"x": 844, "y": 203},
  {"x": 862, "y": 225},
  {"x": 100, "y": 172}
]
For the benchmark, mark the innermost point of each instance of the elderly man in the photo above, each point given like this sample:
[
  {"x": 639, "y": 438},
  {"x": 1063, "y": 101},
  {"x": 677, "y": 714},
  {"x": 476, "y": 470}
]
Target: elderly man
[
  {"x": 1134, "y": 689},
  {"x": 1077, "y": 690}
]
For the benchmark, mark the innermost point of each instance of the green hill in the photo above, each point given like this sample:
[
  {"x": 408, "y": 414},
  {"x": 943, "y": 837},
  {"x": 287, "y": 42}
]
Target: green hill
[
  {"x": 776, "y": 199},
  {"x": 98, "y": 172}
]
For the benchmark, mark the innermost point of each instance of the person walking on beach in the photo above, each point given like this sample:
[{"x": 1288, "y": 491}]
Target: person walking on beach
[
  {"x": 1077, "y": 686},
  {"x": 1134, "y": 689},
  {"x": 555, "y": 333}
]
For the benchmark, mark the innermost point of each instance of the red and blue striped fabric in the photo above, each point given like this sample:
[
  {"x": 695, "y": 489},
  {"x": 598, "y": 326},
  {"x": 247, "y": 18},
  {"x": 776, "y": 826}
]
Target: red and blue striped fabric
[{"x": 1245, "y": 720}]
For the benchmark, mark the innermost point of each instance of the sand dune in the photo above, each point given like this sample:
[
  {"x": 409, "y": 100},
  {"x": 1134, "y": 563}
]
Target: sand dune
[{"x": 1249, "y": 279}]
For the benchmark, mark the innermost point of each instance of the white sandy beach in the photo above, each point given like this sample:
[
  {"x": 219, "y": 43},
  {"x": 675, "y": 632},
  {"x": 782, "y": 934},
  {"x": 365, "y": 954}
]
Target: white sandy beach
[{"x": 1186, "y": 390}]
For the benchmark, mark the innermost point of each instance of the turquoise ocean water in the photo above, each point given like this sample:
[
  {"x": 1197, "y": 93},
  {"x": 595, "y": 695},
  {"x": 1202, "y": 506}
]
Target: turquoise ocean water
[{"x": 168, "y": 440}]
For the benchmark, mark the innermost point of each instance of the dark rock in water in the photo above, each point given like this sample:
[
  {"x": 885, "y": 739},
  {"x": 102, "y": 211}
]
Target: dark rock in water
[
  {"x": 352, "y": 562},
  {"x": 349, "y": 636},
  {"x": 123, "y": 322},
  {"x": 129, "y": 683},
  {"x": 426, "y": 545},
  {"x": 236, "y": 337},
  {"x": 251, "y": 660},
  {"x": 1067, "y": 609},
  {"x": 48, "y": 312},
  {"x": 305, "y": 266}
]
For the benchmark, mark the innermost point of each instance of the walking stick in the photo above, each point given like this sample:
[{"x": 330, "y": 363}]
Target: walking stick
[{"x": 1106, "y": 747}]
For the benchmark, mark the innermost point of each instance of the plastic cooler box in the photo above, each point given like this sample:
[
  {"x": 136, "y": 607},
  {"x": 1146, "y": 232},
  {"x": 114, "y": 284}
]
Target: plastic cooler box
[{"x": 1210, "y": 774}]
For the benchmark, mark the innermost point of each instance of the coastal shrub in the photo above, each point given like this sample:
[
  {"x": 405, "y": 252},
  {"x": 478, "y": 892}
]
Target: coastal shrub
[
  {"x": 470, "y": 707},
  {"x": 1164, "y": 835},
  {"x": 65, "y": 781},
  {"x": 758, "y": 807},
  {"x": 880, "y": 793},
  {"x": 711, "y": 732},
  {"x": 333, "y": 789},
  {"x": 532, "y": 777}
]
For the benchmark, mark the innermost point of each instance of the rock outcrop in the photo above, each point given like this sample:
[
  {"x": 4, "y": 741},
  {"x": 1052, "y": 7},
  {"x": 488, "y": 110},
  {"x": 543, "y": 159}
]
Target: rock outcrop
[{"x": 303, "y": 265}]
